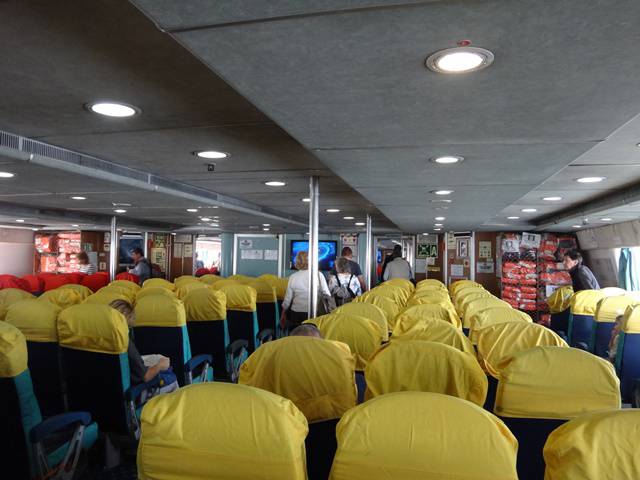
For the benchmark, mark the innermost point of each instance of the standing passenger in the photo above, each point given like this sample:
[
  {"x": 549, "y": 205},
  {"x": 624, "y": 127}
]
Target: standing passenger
[
  {"x": 354, "y": 267},
  {"x": 142, "y": 268},
  {"x": 84, "y": 266},
  {"x": 581, "y": 276},
  {"x": 343, "y": 284},
  {"x": 294, "y": 305},
  {"x": 398, "y": 267}
]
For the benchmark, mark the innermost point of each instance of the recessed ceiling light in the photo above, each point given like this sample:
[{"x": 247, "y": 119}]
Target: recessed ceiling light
[
  {"x": 447, "y": 159},
  {"x": 606, "y": 219},
  {"x": 576, "y": 226},
  {"x": 442, "y": 192},
  {"x": 332, "y": 210},
  {"x": 439, "y": 219},
  {"x": 266, "y": 224},
  {"x": 78, "y": 198},
  {"x": 347, "y": 218},
  {"x": 205, "y": 219},
  {"x": 438, "y": 225},
  {"x": 6, "y": 175},
  {"x": 590, "y": 179},
  {"x": 360, "y": 224},
  {"x": 459, "y": 60},
  {"x": 120, "y": 210},
  {"x": 552, "y": 199},
  {"x": 113, "y": 109},
  {"x": 437, "y": 229},
  {"x": 211, "y": 154},
  {"x": 19, "y": 220},
  {"x": 513, "y": 218},
  {"x": 306, "y": 200},
  {"x": 192, "y": 210},
  {"x": 275, "y": 183},
  {"x": 265, "y": 229},
  {"x": 529, "y": 210}
]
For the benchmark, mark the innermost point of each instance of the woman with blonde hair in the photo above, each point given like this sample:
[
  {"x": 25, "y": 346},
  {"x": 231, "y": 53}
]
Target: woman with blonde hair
[{"x": 294, "y": 305}]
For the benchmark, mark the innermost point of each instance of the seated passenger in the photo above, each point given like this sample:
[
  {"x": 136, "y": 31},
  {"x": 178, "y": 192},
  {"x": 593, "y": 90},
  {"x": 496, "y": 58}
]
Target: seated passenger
[
  {"x": 142, "y": 266},
  {"x": 294, "y": 305},
  {"x": 306, "y": 330},
  {"x": 615, "y": 334},
  {"x": 143, "y": 369},
  {"x": 398, "y": 267},
  {"x": 343, "y": 284}
]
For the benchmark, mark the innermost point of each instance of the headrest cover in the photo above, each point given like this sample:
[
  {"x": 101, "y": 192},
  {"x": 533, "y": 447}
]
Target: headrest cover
[
  {"x": 631, "y": 322},
  {"x": 363, "y": 336},
  {"x": 209, "y": 279},
  {"x": 94, "y": 328},
  {"x": 110, "y": 289},
  {"x": 81, "y": 290},
  {"x": 160, "y": 311},
  {"x": 184, "y": 280},
  {"x": 388, "y": 306},
  {"x": 612, "y": 291},
  {"x": 143, "y": 292},
  {"x": 62, "y": 297},
  {"x": 126, "y": 284},
  {"x": 421, "y": 366},
  {"x": 105, "y": 297},
  {"x": 412, "y": 435},
  {"x": 433, "y": 293},
  {"x": 9, "y": 296},
  {"x": 367, "y": 310},
  {"x": 499, "y": 341},
  {"x": 265, "y": 292},
  {"x": 241, "y": 279},
  {"x": 455, "y": 287},
  {"x": 461, "y": 302},
  {"x": 493, "y": 316},
  {"x": 38, "y": 321},
  {"x": 425, "y": 311},
  {"x": 396, "y": 294},
  {"x": 240, "y": 297},
  {"x": 205, "y": 304},
  {"x": 281, "y": 288},
  {"x": 560, "y": 300},
  {"x": 555, "y": 383},
  {"x": 434, "y": 330},
  {"x": 598, "y": 445},
  {"x": 609, "y": 308},
  {"x": 402, "y": 283},
  {"x": 481, "y": 304},
  {"x": 158, "y": 282},
  {"x": 13, "y": 351},
  {"x": 431, "y": 299},
  {"x": 585, "y": 302},
  {"x": 224, "y": 283},
  {"x": 245, "y": 430},
  {"x": 429, "y": 282},
  {"x": 185, "y": 287},
  {"x": 315, "y": 374}
]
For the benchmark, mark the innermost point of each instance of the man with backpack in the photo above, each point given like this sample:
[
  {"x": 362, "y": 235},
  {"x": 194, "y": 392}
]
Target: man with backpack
[{"x": 343, "y": 284}]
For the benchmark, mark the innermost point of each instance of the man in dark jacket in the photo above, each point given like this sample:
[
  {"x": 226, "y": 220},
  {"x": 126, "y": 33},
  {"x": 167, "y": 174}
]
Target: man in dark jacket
[{"x": 581, "y": 276}]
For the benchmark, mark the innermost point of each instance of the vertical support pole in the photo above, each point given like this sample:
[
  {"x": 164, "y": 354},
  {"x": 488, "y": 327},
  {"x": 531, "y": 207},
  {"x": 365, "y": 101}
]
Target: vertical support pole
[
  {"x": 145, "y": 243},
  {"x": 314, "y": 214},
  {"x": 113, "y": 249},
  {"x": 369, "y": 267},
  {"x": 281, "y": 266}
]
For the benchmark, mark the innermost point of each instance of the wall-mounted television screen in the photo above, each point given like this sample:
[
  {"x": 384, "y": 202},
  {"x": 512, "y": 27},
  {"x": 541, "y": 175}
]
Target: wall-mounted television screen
[
  {"x": 127, "y": 244},
  {"x": 326, "y": 252}
]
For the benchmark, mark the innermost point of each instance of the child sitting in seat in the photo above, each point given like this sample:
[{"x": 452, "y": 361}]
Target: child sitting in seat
[
  {"x": 615, "y": 334},
  {"x": 144, "y": 368}
]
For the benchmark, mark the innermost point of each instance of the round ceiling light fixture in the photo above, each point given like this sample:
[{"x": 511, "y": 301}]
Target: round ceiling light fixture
[
  {"x": 211, "y": 154},
  {"x": 275, "y": 183},
  {"x": 6, "y": 175},
  {"x": 113, "y": 109},
  {"x": 447, "y": 159},
  {"x": 462, "y": 59},
  {"x": 590, "y": 179}
]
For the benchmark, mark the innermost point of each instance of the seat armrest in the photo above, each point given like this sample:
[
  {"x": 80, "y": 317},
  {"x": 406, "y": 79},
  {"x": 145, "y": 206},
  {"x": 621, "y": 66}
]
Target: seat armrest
[
  {"x": 135, "y": 391},
  {"x": 57, "y": 423},
  {"x": 195, "y": 362},
  {"x": 234, "y": 347},
  {"x": 265, "y": 335}
]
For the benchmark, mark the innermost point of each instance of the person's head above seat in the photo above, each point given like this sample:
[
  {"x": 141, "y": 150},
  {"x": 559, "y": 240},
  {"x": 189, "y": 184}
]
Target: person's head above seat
[
  {"x": 302, "y": 260},
  {"x": 397, "y": 251},
  {"x": 346, "y": 253},
  {"x": 137, "y": 254},
  {"x": 571, "y": 259},
  {"x": 342, "y": 265},
  {"x": 126, "y": 309},
  {"x": 306, "y": 330},
  {"x": 83, "y": 258}
]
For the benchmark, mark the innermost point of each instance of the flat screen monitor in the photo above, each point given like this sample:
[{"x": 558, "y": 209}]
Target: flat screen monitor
[
  {"x": 127, "y": 244},
  {"x": 326, "y": 252}
]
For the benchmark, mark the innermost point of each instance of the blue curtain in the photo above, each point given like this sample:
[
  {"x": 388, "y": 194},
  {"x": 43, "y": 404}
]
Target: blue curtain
[{"x": 627, "y": 275}]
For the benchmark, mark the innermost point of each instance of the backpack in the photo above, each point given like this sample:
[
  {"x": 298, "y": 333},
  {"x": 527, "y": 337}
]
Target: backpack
[{"x": 343, "y": 293}]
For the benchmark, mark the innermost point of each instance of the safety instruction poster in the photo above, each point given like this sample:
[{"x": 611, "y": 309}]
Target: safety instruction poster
[
  {"x": 427, "y": 250},
  {"x": 271, "y": 255},
  {"x": 457, "y": 270},
  {"x": 251, "y": 254},
  {"x": 484, "y": 249}
]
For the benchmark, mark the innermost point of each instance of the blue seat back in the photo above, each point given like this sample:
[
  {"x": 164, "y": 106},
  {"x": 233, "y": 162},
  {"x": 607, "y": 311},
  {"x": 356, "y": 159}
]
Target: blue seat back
[
  {"x": 581, "y": 329},
  {"x": 628, "y": 363},
  {"x": 560, "y": 322},
  {"x": 243, "y": 326},
  {"x": 211, "y": 338},
  {"x": 45, "y": 368},
  {"x": 268, "y": 316},
  {"x": 601, "y": 339},
  {"x": 172, "y": 342}
]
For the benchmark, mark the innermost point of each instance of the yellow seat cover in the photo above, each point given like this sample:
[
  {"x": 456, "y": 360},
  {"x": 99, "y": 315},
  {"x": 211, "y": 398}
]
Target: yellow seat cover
[
  {"x": 9, "y": 296},
  {"x": 154, "y": 291},
  {"x": 602, "y": 446},
  {"x": 367, "y": 310},
  {"x": 426, "y": 311},
  {"x": 396, "y": 294},
  {"x": 316, "y": 375},
  {"x": 455, "y": 287},
  {"x": 499, "y": 341},
  {"x": 612, "y": 291},
  {"x": 185, "y": 287},
  {"x": 205, "y": 304},
  {"x": 423, "y": 436},
  {"x": 38, "y": 321},
  {"x": 13, "y": 351},
  {"x": 265, "y": 292},
  {"x": 210, "y": 279},
  {"x": 158, "y": 282},
  {"x": 62, "y": 297},
  {"x": 388, "y": 306},
  {"x": 555, "y": 383},
  {"x": 81, "y": 290},
  {"x": 478, "y": 305},
  {"x": 184, "y": 280},
  {"x": 609, "y": 308},
  {"x": 160, "y": 311},
  {"x": 224, "y": 283},
  {"x": 240, "y": 297},
  {"x": 106, "y": 297},
  {"x": 560, "y": 300},
  {"x": 416, "y": 365},
  {"x": 221, "y": 431},
  {"x": 363, "y": 336},
  {"x": 631, "y": 321},
  {"x": 434, "y": 330},
  {"x": 93, "y": 328},
  {"x": 242, "y": 279},
  {"x": 402, "y": 283},
  {"x": 125, "y": 284},
  {"x": 128, "y": 293},
  {"x": 492, "y": 316},
  {"x": 428, "y": 282},
  {"x": 461, "y": 302},
  {"x": 467, "y": 290},
  {"x": 585, "y": 302}
]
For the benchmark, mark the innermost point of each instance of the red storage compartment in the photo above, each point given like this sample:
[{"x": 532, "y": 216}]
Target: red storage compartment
[
  {"x": 75, "y": 277},
  {"x": 53, "y": 282},
  {"x": 36, "y": 284},
  {"x": 96, "y": 281}
]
